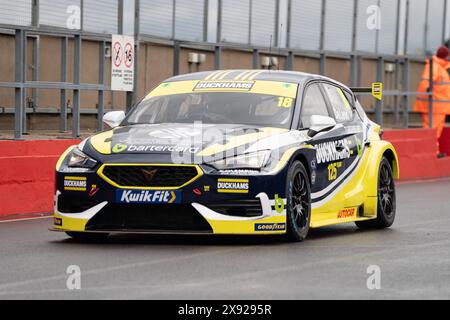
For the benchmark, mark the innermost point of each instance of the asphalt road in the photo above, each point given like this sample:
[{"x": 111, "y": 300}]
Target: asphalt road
[{"x": 413, "y": 257}]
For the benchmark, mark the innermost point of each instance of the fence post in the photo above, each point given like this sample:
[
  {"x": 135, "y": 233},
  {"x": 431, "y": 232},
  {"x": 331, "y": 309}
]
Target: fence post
[
  {"x": 405, "y": 100},
  {"x": 430, "y": 91},
  {"x": 131, "y": 96},
  {"x": 76, "y": 91},
  {"x": 290, "y": 61},
  {"x": 176, "y": 58},
  {"x": 19, "y": 96},
  {"x": 255, "y": 60},
  {"x": 217, "y": 57},
  {"x": 101, "y": 80},
  {"x": 63, "y": 92}
]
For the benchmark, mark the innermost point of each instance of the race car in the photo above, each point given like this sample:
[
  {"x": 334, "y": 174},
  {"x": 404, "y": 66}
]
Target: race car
[{"x": 230, "y": 152}]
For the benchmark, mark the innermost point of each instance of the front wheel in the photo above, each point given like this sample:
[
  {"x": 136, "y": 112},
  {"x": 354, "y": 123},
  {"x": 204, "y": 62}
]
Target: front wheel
[
  {"x": 298, "y": 210},
  {"x": 386, "y": 199}
]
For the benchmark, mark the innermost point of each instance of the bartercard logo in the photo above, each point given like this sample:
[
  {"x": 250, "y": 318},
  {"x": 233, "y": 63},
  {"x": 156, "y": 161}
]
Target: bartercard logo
[
  {"x": 148, "y": 196},
  {"x": 119, "y": 148}
]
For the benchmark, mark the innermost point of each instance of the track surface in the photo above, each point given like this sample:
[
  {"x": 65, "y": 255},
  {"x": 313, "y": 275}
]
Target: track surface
[{"x": 414, "y": 257}]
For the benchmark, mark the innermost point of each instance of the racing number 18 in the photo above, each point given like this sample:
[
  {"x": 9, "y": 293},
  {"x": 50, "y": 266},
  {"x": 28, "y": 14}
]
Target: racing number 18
[{"x": 284, "y": 102}]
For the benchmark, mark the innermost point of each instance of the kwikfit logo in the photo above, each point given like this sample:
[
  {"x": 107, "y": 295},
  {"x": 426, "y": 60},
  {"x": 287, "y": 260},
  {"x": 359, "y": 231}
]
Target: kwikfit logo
[{"x": 147, "y": 196}]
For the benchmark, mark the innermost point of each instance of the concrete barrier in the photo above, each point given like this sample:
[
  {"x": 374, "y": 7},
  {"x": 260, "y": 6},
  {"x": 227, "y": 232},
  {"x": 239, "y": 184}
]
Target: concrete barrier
[
  {"x": 417, "y": 150},
  {"x": 27, "y": 168},
  {"x": 27, "y": 171}
]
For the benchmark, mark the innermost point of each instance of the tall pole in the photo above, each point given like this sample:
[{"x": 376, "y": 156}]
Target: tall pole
[{"x": 430, "y": 91}]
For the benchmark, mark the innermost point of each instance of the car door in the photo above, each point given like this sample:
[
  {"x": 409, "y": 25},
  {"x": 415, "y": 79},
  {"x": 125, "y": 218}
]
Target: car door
[
  {"x": 350, "y": 138},
  {"x": 342, "y": 107},
  {"x": 327, "y": 165}
]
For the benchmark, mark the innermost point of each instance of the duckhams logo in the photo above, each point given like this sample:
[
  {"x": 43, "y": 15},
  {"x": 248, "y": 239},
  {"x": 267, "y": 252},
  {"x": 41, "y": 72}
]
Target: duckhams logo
[
  {"x": 224, "y": 85},
  {"x": 133, "y": 148},
  {"x": 328, "y": 151},
  {"x": 270, "y": 227},
  {"x": 75, "y": 183},
  {"x": 148, "y": 196},
  {"x": 232, "y": 185}
]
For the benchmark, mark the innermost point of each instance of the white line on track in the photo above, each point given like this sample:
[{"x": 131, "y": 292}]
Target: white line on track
[{"x": 26, "y": 219}]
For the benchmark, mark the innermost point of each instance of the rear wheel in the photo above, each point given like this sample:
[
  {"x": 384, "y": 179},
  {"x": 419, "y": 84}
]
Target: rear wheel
[
  {"x": 298, "y": 210},
  {"x": 386, "y": 199},
  {"x": 88, "y": 237}
]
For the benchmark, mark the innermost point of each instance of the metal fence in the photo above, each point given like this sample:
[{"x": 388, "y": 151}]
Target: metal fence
[{"x": 394, "y": 31}]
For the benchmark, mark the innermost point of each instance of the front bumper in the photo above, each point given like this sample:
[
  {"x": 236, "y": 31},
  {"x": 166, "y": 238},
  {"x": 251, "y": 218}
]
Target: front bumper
[{"x": 210, "y": 203}]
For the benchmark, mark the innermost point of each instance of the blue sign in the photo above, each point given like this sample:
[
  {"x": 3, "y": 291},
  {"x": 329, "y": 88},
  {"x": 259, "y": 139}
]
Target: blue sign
[{"x": 148, "y": 196}]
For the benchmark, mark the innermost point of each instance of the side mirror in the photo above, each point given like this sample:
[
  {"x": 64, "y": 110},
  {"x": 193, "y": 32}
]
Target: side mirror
[
  {"x": 113, "y": 118},
  {"x": 319, "y": 124}
]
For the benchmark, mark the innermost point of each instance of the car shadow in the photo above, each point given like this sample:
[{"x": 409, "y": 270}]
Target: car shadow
[
  {"x": 344, "y": 230},
  {"x": 330, "y": 232},
  {"x": 179, "y": 240}
]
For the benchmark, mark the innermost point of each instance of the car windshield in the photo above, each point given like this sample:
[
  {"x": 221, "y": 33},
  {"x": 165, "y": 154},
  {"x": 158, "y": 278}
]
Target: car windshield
[{"x": 215, "y": 108}]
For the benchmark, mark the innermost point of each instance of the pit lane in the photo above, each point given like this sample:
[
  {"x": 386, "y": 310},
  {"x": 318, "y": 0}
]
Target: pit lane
[{"x": 413, "y": 257}]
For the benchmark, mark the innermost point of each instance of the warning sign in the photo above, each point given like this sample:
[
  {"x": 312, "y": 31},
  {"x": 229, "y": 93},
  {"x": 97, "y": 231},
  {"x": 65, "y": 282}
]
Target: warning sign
[{"x": 122, "y": 64}]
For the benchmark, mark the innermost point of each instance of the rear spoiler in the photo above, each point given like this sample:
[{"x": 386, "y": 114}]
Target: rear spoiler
[{"x": 376, "y": 90}]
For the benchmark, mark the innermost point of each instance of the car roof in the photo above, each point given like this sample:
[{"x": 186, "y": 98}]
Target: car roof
[{"x": 252, "y": 74}]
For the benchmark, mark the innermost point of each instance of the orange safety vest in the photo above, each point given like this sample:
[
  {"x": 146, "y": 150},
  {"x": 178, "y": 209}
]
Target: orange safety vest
[{"x": 441, "y": 88}]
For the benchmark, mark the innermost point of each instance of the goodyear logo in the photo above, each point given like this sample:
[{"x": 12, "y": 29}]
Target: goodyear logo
[
  {"x": 232, "y": 185},
  {"x": 75, "y": 183},
  {"x": 270, "y": 227},
  {"x": 224, "y": 85},
  {"x": 148, "y": 196}
]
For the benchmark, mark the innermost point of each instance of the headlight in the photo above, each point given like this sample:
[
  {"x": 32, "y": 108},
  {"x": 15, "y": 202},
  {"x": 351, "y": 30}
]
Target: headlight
[
  {"x": 77, "y": 159},
  {"x": 255, "y": 160}
]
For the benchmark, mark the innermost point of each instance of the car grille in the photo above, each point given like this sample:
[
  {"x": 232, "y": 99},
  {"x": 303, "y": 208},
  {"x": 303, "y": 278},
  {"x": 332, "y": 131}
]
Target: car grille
[
  {"x": 149, "y": 175},
  {"x": 179, "y": 217}
]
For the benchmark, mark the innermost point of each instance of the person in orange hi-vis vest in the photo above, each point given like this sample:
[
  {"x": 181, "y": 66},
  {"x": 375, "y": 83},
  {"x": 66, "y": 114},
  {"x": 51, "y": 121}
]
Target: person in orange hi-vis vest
[{"x": 441, "y": 91}]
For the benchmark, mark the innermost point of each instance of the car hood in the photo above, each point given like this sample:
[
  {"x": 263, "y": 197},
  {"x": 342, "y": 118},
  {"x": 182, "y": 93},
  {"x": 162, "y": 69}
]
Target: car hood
[{"x": 201, "y": 140}]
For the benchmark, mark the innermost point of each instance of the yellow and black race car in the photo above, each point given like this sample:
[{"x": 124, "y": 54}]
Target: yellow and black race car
[{"x": 250, "y": 152}]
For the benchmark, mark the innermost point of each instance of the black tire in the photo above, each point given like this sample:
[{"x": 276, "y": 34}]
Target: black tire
[
  {"x": 298, "y": 207},
  {"x": 88, "y": 237},
  {"x": 386, "y": 199}
]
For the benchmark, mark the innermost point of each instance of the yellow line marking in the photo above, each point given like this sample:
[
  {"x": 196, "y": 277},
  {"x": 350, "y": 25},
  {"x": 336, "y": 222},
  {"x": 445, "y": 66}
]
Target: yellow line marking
[
  {"x": 225, "y": 74},
  {"x": 212, "y": 75},
  {"x": 75, "y": 178},
  {"x": 74, "y": 189},
  {"x": 253, "y": 76},
  {"x": 231, "y": 191},
  {"x": 233, "y": 180},
  {"x": 241, "y": 75},
  {"x": 218, "y": 75},
  {"x": 247, "y": 75},
  {"x": 26, "y": 219}
]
